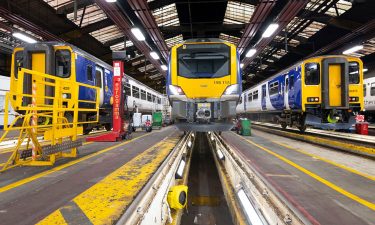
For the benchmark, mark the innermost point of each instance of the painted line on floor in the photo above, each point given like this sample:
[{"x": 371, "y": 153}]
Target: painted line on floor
[
  {"x": 340, "y": 190},
  {"x": 326, "y": 160},
  {"x": 63, "y": 166},
  {"x": 106, "y": 201}
]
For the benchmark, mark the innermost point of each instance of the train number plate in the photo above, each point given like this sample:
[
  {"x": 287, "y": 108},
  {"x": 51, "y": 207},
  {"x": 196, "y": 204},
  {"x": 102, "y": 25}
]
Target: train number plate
[{"x": 204, "y": 105}]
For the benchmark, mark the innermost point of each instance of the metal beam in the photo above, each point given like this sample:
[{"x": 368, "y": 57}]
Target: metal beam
[
  {"x": 69, "y": 8},
  {"x": 77, "y": 33},
  {"x": 290, "y": 10},
  {"x": 22, "y": 22},
  {"x": 115, "y": 14},
  {"x": 212, "y": 28},
  {"x": 260, "y": 14},
  {"x": 144, "y": 14}
]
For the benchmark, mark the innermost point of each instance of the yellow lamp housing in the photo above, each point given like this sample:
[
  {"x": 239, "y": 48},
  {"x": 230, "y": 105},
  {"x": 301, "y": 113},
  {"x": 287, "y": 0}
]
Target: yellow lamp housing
[{"x": 177, "y": 197}]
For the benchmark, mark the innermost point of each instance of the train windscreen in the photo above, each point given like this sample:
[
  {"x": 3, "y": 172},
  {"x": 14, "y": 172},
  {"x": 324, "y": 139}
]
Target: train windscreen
[{"x": 203, "y": 60}]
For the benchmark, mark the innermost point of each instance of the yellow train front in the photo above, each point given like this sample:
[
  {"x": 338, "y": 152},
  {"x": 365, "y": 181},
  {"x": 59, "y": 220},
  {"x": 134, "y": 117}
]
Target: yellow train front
[{"x": 204, "y": 84}]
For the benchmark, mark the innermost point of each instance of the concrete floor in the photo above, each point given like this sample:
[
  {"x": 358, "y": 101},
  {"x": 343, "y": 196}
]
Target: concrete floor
[{"x": 322, "y": 191}]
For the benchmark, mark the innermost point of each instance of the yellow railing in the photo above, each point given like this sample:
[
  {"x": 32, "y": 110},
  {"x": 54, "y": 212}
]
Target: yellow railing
[{"x": 47, "y": 116}]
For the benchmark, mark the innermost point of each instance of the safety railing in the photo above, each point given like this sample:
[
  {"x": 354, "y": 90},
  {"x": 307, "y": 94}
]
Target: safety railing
[{"x": 54, "y": 113}]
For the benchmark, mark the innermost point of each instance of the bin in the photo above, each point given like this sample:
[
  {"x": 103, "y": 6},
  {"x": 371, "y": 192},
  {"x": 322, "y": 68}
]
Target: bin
[
  {"x": 245, "y": 127},
  {"x": 361, "y": 128},
  {"x": 157, "y": 120}
]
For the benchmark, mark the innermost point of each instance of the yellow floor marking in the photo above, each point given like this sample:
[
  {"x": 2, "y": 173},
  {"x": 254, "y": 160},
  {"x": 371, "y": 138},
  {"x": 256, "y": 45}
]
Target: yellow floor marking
[
  {"x": 63, "y": 166},
  {"x": 106, "y": 201},
  {"x": 55, "y": 220},
  {"x": 316, "y": 177},
  {"x": 327, "y": 161}
]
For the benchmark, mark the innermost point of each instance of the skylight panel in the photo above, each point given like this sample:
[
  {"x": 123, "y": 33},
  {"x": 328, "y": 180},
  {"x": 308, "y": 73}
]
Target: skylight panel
[
  {"x": 166, "y": 16},
  {"x": 238, "y": 12},
  {"x": 107, "y": 33},
  {"x": 229, "y": 38},
  {"x": 174, "y": 40},
  {"x": 93, "y": 14}
]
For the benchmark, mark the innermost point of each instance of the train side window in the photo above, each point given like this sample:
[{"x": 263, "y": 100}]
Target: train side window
[
  {"x": 312, "y": 74},
  {"x": 18, "y": 62},
  {"x": 274, "y": 88},
  {"x": 143, "y": 94},
  {"x": 240, "y": 101},
  {"x": 149, "y": 98},
  {"x": 353, "y": 73},
  {"x": 159, "y": 100},
  {"x": 89, "y": 73},
  {"x": 372, "y": 89},
  {"x": 364, "y": 90},
  {"x": 98, "y": 77},
  {"x": 135, "y": 91},
  {"x": 153, "y": 98},
  {"x": 250, "y": 97},
  {"x": 255, "y": 95},
  {"x": 62, "y": 63},
  {"x": 128, "y": 89}
]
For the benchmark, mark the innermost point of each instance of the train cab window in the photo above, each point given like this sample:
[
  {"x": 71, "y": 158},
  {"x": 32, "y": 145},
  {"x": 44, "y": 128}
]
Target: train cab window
[
  {"x": 149, "y": 98},
  {"x": 364, "y": 90},
  {"x": 63, "y": 63},
  {"x": 372, "y": 89},
  {"x": 312, "y": 74},
  {"x": 274, "y": 88},
  {"x": 135, "y": 91},
  {"x": 250, "y": 97},
  {"x": 18, "y": 62},
  {"x": 128, "y": 89},
  {"x": 143, "y": 94},
  {"x": 98, "y": 77},
  {"x": 89, "y": 73},
  {"x": 255, "y": 95},
  {"x": 353, "y": 73}
]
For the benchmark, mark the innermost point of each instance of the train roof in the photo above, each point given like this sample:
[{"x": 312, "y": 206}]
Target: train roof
[{"x": 88, "y": 56}]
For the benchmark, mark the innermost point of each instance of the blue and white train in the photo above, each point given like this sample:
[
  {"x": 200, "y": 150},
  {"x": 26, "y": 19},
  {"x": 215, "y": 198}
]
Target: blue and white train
[{"x": 324, "y": 92}]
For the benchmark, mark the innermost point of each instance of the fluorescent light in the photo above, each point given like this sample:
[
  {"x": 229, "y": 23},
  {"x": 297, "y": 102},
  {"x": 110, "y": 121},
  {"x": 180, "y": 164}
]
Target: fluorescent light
[
  {"x": 270, "y": 30},
  {"x": 364, "y": 70},
  {"x": 154, "y": 55},
  {"x": 189, "y": 144},
  {"x": 164, "y": 67},
  {"x": 220, "y": 154},
  {"x": 138, "y": 34},
  {"x": 241, "y": 65},
  {"x": 180, "y": 170},
  {"x": 352, "y": 49},
  {"x": 249, "y": 209},
  {"x": 110, "y": 0},
  {"x": 251, "y": 52},
  {"x": 24, "y": 38}
]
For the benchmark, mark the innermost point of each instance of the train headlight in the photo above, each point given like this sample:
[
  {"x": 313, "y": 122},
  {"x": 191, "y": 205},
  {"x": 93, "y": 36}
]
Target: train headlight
[
  {"x": 176, "y": 90},
  {"x": 232, "y": 90},
  {"x": 353, "y": 99},
  {"x": 312, "y": 99}
]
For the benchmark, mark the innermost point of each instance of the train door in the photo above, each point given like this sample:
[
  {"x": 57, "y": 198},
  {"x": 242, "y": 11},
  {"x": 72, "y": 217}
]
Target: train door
[
  {"x": 99, "y": 79},
  {"x": 264, "y": 96},
  {"x": 334, "y": 73},
  {"x": 244, "y": 102},
  {"x": 286, "y": 92}
]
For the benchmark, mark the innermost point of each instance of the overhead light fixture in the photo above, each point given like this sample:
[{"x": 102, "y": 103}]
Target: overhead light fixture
[
  {"x": 241, "y": 65},
  {"x": 138, "y": 34},
  {"x": 220, "y": 154},
  {"x": 180, "y": 170},
  {"x": 248, "y": 208},
  {"x": 24, "y": 38},
  {"x": 270, "y": 30},
  {"x": 352, "y": 49},
  {"x": 251, "y": 52},
  {"x": 110, "y": 0},
  {"x": 154, "y": 55},
  {"x": 364, "y": 70},
  {"x": 164, "y": 67}
]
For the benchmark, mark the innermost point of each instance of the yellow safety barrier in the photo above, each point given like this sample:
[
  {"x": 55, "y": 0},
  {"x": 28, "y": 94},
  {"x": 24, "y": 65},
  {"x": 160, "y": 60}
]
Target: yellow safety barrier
[{"x": 55, "y": 117}]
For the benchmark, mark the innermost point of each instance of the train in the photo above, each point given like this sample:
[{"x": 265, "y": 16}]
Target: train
[
  {"x": 324, "y": 92},
  {"x": 204, "y": 84},
  {"x": 4, "y": 87},
  {"x": 69, "y": 62},
  {"x": 369, "y": 93}
]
